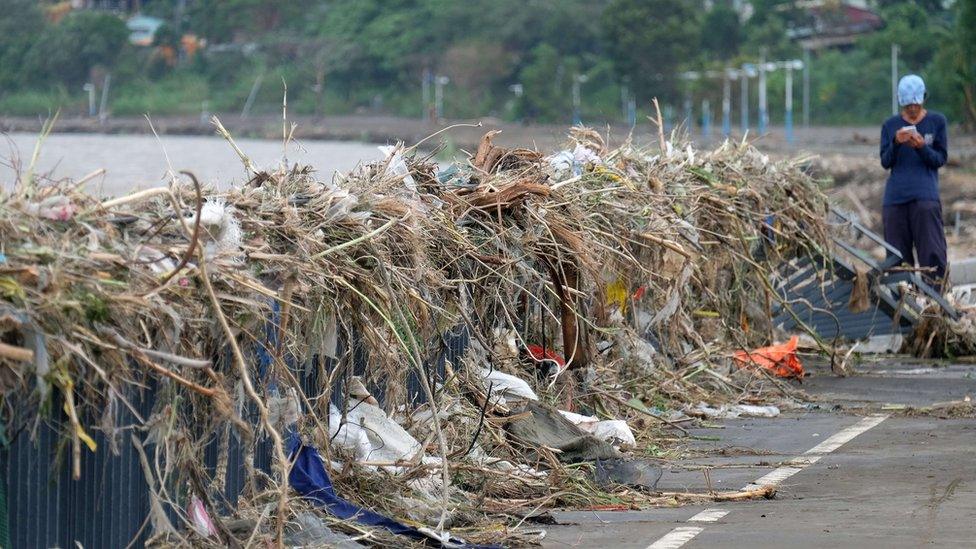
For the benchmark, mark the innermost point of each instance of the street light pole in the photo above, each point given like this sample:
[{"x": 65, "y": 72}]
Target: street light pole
[
  {"x": 439, "y": 82},
  {"x": 806, "y": 88},
  {"x": 748, "y": 71},
  {"x": 706, "y": 118},
  {"x": 727, "y": 103},
  {"x": 789, "y": 102},
  {"x": 894, "y": 79},
  {"x": 624, "y": 101},
  {"x": 763, "y": 115},
  {"x": 90, "y": 88},
  {"x": 577, "y": 80},
  {"x": 425, "y": 86}
]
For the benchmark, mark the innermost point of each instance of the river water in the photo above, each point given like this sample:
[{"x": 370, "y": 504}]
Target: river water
[{"x": 135, "y": 162}]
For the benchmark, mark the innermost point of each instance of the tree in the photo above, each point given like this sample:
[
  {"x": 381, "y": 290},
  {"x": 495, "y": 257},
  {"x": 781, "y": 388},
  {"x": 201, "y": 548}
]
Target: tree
[
  {"x": 650, "y": 40},
  {"x": 545, "y": 83},
  {"x": 66, "y": 52},
  {"x": 21, "y": 22},
  {"x": 965, "y": 61},
  {"x": 918, "y": 33},
  {"x": 721, "y": 32},
  {"x": 930, "y": 6}
]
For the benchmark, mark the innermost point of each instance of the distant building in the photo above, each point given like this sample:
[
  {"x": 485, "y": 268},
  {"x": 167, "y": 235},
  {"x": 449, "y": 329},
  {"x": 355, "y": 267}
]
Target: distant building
[
  {"x": 142, "y": 29},
  {"x": 833, "y": 24},
  {"x": 128, "y": 6}
]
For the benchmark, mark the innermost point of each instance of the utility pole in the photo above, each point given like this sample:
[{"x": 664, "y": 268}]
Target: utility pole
[
  {"x": 518, "y": 89},
  {"x": 103, "y": 105},
  {"x": 806, "y": 88},
  {"x": 788, "y": 120},
  {"x": 706, "y": 122},
  {"x": 249, "y": 102},
  {"x": 748, "y": 71},
  {"x": 625, "y": 100},
  {"x": 763, "y": 114},
  {"x": 727, "y": 103},
  {"x": 894, "y": 79},
  {"x": 90, "y": 88},
  {"x": 425, "y": 92},
  {"x": 689, "y": 112},
  {"x": 577, "y": 80},
  {"x": 439, "y": 82}
]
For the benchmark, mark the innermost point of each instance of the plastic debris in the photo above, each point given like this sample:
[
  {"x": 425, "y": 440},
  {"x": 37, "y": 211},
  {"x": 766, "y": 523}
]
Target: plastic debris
[
  {"x": 735, "y": 410},
  {"x": 395, "y": 165},
  {"x": 780, "y": 360},
  {"x": 540, "y": 426},
  {"x": 636, "y": 473},
  {"x": 309, "y": 530},
  {"x": 200, "y": 518},
  {"x": 309, "y": 478},
  {"x": 388, "y": 441},
  {"x": 614, "y": 431},
  {"x": 505, "y": 387}
]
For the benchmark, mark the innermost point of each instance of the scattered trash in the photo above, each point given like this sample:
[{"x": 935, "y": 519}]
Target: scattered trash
[
  {"x": 733, "y": 411},
  {"x": 635, "y": 473},
  {"x": 880, "y": 344},
  {"x": 614, "y": 431},
  {"x": 504, "y": 387},
  {"x": 266, "y": 327},
  {"x": 780, "y": 360},
  {"x": 309, "y": 530},
  {"x": 539, "y": 427},
  {"x": 389, "y": 443},
  {"x": 200, "y": 519},
  {"x": 309, "y": 478}
]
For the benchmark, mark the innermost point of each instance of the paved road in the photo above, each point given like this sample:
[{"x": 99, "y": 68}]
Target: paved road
[{"x": 855, "y": 470}]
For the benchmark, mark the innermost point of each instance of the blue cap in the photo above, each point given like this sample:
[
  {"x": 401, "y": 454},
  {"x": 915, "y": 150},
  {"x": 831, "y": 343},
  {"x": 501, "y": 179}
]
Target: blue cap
[{"x": 911, "y": 90}]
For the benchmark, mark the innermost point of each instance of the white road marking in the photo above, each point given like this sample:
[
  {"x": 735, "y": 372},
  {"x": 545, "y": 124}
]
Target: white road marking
[
  {"x": 814, "y": 454},
  {"x": 774, "y": 477},
  {"x": 709, "y": 515},
  {"x": 683, "y": 534},
  {"x": 846, "y": 435},
  {"x": 676, "y": 538}
]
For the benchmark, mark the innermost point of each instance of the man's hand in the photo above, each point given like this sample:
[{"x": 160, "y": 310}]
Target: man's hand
[
  {"x": 904, "y": 135},
  {"x": 916, "y": 140}
]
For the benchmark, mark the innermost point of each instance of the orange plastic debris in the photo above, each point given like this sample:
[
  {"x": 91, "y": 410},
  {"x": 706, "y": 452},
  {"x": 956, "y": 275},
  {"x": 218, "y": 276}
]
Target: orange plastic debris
[{"x": 781, "y": 359}]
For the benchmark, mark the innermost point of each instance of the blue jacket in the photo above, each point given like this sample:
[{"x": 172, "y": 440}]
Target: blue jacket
[{"x": 914, "y": 173}]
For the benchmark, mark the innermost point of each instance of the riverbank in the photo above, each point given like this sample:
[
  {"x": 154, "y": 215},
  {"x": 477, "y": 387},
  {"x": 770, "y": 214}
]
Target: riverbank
[{"x": 463, "y": 134}]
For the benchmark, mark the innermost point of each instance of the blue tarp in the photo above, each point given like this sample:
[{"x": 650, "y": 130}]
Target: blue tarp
[{"x": 310, "y": 479}]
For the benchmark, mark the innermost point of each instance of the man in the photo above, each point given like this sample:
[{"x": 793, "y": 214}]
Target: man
[{"x": 914, "y": 145}]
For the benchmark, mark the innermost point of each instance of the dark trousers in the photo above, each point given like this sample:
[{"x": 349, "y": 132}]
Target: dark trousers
[{"x": 918, "y": 225}]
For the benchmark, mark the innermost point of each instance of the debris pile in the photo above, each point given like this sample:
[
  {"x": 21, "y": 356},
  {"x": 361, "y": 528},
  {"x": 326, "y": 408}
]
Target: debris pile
[{"x": 584, "y": 294}]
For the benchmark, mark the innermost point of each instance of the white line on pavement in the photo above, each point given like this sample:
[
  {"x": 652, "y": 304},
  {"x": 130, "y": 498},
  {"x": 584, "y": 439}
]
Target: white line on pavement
[
  {"x": 774, "y": 477},
  {"x": 683, "y": 534},
  {"x": 676, "y": 538},
  {"x": 846, "y": 435},
  {"x": 814, "y": 454},
  {"x": 709, "y": 515}
]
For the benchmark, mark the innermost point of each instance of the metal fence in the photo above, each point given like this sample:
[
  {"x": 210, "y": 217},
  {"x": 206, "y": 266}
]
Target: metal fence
[{"x": 109, "y": 505}]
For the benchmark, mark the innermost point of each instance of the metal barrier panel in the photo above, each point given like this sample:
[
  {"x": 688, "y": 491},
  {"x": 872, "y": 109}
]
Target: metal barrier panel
[{"x": 108, "y": 507}]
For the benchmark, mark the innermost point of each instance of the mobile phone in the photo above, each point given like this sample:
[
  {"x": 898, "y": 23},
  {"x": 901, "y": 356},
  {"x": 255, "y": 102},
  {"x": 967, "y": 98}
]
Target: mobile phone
[{"x": 911, "y": 128}]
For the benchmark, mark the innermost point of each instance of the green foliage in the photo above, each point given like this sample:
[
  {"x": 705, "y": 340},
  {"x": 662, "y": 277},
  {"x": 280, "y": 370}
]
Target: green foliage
[
  {"x": 342, "y": 56},
  {"x": 544, "y": 79},
  {"x": 957, "y": 62},
  {"x": 180, "y": 93},
  {"x": 38, "y": 103},
  {"x": 649, "y": 40},
  {"x": 21, "y": 21},
  {"x": 721, "y": 32},
  {"x": 918, "y": 33},
  {"x": 65, "y": 53}
]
